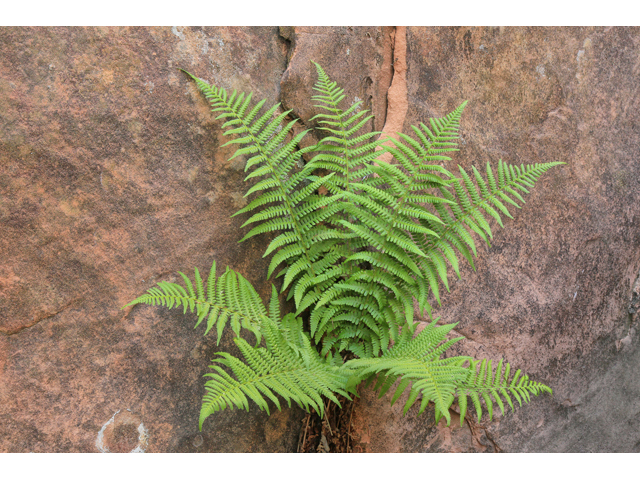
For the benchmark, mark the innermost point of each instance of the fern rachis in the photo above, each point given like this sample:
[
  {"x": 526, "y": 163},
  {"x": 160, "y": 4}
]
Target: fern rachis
[{"x": 353, "y": 261}]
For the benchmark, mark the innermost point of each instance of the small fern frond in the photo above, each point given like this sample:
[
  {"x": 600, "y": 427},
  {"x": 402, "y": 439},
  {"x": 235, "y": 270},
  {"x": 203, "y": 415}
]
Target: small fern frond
[
  {"x": 483, "y": 383},
  {"x": 417, "y": 361},
  {"x": 289, "y": 367},
  {"x": 345, "y": 151},
  {"x": 418, "y": 156},
  {"x": 229, "y": 299}
]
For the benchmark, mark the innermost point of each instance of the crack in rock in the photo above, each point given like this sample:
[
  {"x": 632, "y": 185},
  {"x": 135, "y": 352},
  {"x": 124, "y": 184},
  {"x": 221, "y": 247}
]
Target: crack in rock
[
  {"x": 37, "y": 319},
  {"x": 397, "y": 101}
]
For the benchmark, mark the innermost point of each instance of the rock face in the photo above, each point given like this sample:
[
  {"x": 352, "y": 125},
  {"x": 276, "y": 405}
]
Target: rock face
[
  {"x": 553, "y": 293},
  {"x": 358, "y": 58},
  {"x": 112, "y": 178}
]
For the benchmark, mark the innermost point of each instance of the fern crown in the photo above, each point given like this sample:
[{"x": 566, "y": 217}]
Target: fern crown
[{"x": 355, "y": 241}]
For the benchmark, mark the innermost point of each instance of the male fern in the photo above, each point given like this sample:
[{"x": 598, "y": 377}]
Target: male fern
[{"x": 353, "y": 261}]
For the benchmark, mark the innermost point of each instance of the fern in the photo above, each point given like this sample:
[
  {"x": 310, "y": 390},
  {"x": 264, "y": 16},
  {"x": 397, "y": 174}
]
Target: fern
[
  {"x": 353, "y": 260},
  {"x": 485, "y": 383},
  {"x": 233, "y": 300},
  {"x": 289, "y": 366}
]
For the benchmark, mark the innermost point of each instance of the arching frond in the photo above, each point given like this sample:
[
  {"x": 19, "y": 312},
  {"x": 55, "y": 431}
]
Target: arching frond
[
  {"x": 230, "y": 299},
  {"x": 468, "y": 212},
  {"x": 273, "y": 159},
  {"x": 289, "y": 367}
]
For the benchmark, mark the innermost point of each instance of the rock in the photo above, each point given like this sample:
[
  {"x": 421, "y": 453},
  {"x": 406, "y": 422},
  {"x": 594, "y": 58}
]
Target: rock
[
  {"x": 357, "y": 58},
  {"x": 111, "y": 180},
  {"x": 552, "y": 294}
]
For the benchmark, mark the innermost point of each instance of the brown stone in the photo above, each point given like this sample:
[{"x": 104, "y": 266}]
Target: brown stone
[
  {"x": 111, "y": 178},
  {"x": 552, "y": 294},
  {"x": 357, "y": 58}
]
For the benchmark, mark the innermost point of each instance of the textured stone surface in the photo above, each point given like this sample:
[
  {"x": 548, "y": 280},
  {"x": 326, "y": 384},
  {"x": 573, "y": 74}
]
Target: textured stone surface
[
  {"x": 110, "y": 180},
  {"x": 552, "y": 295},
  {"x": 358, "y": 58}
]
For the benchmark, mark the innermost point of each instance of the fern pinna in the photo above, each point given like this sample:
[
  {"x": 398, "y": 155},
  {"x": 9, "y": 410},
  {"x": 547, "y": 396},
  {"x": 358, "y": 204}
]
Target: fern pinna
[{"x": 353, "y": 260}]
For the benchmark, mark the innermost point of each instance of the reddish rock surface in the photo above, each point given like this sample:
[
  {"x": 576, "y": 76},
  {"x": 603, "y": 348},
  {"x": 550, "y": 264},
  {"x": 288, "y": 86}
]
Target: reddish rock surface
[
  {"x": 358, "y": 58},
  {"x": 111, "y": 178},
  {"x": 552, "y": 294}
]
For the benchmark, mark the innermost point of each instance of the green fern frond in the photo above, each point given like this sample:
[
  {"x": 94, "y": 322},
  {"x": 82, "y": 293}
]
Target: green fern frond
[
  {"x": 465, "y": 213},
  {"x": 418, "y": 364},
  {"x": 289, "y": 367},
  {"x": 483, "y": 383},
  {"x": 345, "y": 150},
  {"x": 273, "y": 159},
  {"x": 417, "y": 360},
  {"x": 229, "y": 299}
]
